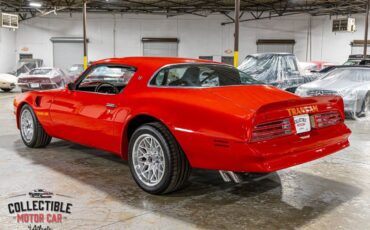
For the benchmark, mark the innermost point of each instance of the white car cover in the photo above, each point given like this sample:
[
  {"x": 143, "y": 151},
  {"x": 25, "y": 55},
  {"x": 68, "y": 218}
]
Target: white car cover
[
  {"x": 277, "y": 69},
  {"x": 352, "y": 83}
]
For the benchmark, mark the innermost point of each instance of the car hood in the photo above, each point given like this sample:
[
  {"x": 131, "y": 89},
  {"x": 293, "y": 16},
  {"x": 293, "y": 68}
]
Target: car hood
[
  {"x": 251, "y": 97},
  {"x": 4, "y": 77}
]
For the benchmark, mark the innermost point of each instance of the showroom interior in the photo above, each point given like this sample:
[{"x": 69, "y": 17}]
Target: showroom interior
[{"x": 309, "y": 53}]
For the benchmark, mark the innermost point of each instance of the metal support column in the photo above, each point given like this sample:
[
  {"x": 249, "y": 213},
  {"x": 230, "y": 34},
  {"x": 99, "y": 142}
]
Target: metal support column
[
  {"x": 236, "y": 34},
  {"x": 85, "y": 61},
  {"x": 366, "y": 28}
]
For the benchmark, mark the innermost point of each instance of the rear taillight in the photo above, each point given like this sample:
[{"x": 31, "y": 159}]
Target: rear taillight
[
  {"x": 322, "y": 120},
  {"x": 270, "y": 130}
]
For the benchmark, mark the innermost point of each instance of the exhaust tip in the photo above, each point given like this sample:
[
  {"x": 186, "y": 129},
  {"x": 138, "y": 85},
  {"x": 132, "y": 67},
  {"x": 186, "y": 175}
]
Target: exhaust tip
[{"x": 229, "y": 176}]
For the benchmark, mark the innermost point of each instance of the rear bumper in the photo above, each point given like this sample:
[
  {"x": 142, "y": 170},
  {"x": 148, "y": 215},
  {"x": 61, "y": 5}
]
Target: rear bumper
[
  {"x": 294, "y": 150},
  {"x": 266, "y": 156},
  {"x": 27, "y": 86}
]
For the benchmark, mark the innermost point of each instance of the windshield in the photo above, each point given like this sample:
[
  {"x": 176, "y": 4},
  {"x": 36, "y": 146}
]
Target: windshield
[
  {"x": 40, "y": 71},
  {"x": 349, "y": 74},
  {"x": 201, "y": 75}
]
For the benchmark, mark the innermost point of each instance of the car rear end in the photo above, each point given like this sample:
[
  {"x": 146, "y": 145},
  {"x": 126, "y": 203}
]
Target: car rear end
[
  {"x": 293, "y": 132},
  {"x": 29, "y": 83}
]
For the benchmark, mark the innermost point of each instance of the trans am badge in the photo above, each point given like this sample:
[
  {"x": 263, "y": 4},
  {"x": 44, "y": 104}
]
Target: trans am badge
[
  {"x": 303, "y": 110},
  {"x": 40, "y": 209}
]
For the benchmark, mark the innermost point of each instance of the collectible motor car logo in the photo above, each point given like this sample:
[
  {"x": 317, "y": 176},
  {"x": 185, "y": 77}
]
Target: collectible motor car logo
[
  {"x": 39, "y": 209},
  {"x": 302, "y": 110}
]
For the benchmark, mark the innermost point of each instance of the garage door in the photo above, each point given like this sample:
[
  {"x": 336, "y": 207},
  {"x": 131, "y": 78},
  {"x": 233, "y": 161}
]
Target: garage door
[
  {"x": 163, "y": 47},
  {"x": 272, "y": 45},
  {"x": 67, "y": 52}
]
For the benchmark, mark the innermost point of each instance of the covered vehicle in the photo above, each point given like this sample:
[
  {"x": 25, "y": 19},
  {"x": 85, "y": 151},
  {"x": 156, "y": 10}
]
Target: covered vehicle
[
  {"x": 277, "y": 69},
  {"x": 8, "y": 80},
  {"x": 357, "y": 59},
  {"x": 350, "y": 82},
  {"x": 74, "y": 71},
  {"x": 168, "y": 115},
  {"x": 43, "y": 78}
]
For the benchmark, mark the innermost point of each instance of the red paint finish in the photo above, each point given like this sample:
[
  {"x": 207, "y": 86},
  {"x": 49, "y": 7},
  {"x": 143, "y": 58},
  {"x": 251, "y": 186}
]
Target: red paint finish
[{"x": 212, "y": 125}]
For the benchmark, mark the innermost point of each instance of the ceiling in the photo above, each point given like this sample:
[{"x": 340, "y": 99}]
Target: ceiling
[{"x": 257, "y": 9}]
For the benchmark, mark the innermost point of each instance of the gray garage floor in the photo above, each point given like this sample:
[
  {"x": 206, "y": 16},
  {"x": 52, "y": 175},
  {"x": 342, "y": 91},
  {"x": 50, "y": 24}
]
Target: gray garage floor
[{"x": 333, "y": 192}]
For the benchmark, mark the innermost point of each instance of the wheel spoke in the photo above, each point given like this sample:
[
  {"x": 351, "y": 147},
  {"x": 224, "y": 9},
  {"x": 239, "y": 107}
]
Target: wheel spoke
[{"x": 148, "y": 159}]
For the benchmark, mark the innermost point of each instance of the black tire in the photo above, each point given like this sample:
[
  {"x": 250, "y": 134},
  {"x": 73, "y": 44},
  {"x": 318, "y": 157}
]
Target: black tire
[
  {"x": 6, "y": 90},
  {"x": 365, "y": 106},
  {"x": 177, "y": 168},
  {"x": 39, "y": 138},
  {"x": 351, "y": 115}
]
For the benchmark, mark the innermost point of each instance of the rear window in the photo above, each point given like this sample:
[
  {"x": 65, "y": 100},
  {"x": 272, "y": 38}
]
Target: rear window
[
  {"x": 201, "y": 75},
  {"x": 40, "y": 71}
]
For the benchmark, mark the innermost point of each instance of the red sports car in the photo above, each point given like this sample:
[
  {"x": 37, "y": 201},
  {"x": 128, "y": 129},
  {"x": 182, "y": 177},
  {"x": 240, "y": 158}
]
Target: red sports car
[{"x": 168, "y": 115}]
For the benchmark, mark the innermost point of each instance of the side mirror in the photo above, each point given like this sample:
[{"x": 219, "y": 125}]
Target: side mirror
[{"x": 71, "y": 86}]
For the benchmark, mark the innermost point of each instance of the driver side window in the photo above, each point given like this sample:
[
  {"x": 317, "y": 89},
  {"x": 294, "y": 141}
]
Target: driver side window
[{"x": 107, "y": 79}]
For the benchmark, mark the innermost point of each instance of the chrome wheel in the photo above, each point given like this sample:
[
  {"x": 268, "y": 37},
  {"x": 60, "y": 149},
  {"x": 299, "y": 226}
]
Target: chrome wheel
[
  {"x": 148, "y": 160},
  {"x": 27, "y": 125}
]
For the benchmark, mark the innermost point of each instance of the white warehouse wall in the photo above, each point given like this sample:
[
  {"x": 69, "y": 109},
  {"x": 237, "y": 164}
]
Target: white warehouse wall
[
  {"x": 7, "y": 50},
  {"x": 197, "y": 35}
]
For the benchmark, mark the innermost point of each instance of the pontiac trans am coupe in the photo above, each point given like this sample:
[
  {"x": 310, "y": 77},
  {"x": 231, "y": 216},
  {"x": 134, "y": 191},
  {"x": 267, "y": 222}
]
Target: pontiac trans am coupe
[{"x": 168, "y": 115}]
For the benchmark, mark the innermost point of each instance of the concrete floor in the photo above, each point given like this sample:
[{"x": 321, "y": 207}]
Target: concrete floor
[{"x": 329, "y": 193}]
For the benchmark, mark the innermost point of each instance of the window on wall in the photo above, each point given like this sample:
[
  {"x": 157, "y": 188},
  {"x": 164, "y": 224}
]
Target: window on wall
[
  {"x": 25, "y": 56},
  {"x": 275, "y": 45},
  {"x": 162, "y": 47}
]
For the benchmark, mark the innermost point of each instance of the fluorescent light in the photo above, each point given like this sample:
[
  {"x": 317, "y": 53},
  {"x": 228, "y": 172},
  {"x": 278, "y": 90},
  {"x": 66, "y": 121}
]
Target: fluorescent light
[{"x": 35, "y": 4}]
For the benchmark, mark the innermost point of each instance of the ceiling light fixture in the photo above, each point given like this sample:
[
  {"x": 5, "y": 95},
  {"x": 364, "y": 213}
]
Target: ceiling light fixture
[{"x": 35, "y": 4}]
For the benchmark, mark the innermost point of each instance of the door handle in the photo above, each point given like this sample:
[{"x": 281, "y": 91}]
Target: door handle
[{"x": 111, "y": 105}]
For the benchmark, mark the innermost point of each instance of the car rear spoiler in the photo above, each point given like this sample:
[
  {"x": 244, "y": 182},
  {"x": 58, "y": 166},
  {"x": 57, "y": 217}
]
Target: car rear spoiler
[{"x": 293, "y": 107}]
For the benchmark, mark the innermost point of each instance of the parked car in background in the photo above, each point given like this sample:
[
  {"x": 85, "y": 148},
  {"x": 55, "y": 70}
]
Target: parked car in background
[
  {"x": 350, "y": 82},
  {"x": 8, "y": 81},
  {"x": 277, "y": 69},
  {"x": 324, "y": 71},
  {"x": 322, "y": 64},
  {"x": 308, "y": 68},
  {"x": 43, "y": 78},
  {"x": 74, "y": 71},
  {"x": 357, "y": 59},
  {"x": 169, "y": 115}
]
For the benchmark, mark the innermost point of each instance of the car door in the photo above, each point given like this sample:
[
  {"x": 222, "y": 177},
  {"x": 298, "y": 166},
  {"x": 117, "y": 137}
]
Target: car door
[{"x": 86, "y": 115}]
